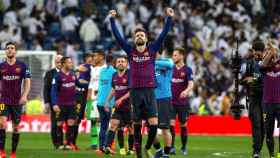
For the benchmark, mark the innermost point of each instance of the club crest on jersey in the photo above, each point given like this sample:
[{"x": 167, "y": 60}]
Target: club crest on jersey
[
  {"x": 63, "y": 79},
  {"x": 124, "y": 80},
  {"x": 182, "y": 74},
  {"x": 146, "y": 53},
  {"x": 18, "y": 70}
]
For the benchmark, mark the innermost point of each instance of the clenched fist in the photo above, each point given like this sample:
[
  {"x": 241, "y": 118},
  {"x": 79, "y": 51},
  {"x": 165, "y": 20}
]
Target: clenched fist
[
  {"x": 113, "y": 13},
  {"x": 169, "y": 12}
]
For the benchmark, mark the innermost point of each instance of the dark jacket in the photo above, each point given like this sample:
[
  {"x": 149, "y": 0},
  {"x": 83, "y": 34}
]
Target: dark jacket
[
  {"x": 48, "y": 84},
  {"x": 255, "y": 89}
]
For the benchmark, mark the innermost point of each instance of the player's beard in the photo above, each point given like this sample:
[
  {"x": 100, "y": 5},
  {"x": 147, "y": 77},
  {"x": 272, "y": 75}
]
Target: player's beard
[
  {"x": 121, "y": 69},
  {"x": 10, "y": 56},
  {"x": 140, "y": 42},
  {"x": 176, "y": 62}
]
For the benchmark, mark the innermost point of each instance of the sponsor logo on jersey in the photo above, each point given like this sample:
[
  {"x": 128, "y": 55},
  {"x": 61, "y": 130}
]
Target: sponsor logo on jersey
[
  {"x": 177, "y": 80},
  {"x": 139, "y": 59},
  {"x": 104, "y": 82},
  {"x": 273, "y": 74},
  {"x": 183, "y": 74},
  {"x": 68, "y": 85},
  {"x": 119, "y": 88},
  {"x": 10, "y": 78},
  {"x": 18, "y": 70}
]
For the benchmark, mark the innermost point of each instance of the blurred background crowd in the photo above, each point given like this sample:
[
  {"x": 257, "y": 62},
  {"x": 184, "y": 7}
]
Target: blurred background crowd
[{"x": 207, "y": 29}]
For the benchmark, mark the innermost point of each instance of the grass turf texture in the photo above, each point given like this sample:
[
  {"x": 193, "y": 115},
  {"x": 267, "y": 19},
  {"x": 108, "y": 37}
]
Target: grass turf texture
[{"x": 39, "y": 146}]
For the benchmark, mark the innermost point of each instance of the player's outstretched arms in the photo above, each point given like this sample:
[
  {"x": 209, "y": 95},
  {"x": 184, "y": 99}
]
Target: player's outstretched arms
[
  {"x": 122, "y": 42},
  {"x": 113, "y": 13},
  {"x": 167, "y": 26}
]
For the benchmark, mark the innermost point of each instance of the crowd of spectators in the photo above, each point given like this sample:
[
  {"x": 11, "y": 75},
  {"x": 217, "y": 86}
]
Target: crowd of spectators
[{"x": 207, "y": 29}]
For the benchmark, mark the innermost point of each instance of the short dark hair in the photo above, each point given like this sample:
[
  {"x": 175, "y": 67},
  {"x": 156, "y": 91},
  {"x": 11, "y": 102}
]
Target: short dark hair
[
  {"x": 109, "y": 59},
  {"x": 87, "y": 56},
  {"x": 258, "y": 46},
  {"x": 63, "y": 59},
  {"x": 181, "y": 50},
  {"x": 121, "y": 56},
  {"x": 100, "y": 52},
  {"x": 11, "y": 43},
  {"x": 140, "y": 30}
]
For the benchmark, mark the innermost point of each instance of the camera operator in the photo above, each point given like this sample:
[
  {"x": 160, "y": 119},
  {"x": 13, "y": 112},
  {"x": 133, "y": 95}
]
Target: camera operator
[{"x": 252, "y": 79}]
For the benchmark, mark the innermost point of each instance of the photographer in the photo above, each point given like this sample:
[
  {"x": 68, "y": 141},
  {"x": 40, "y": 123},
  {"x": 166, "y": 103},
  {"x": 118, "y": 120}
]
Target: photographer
[{"x": 252, "y": 79}]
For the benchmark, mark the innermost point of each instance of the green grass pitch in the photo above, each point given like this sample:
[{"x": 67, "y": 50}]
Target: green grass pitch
[{"x": 39, "y": 146}]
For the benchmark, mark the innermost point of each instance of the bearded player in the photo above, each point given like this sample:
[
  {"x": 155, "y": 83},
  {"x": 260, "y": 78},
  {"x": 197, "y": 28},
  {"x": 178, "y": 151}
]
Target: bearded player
[{"x": 141, "y": 59}]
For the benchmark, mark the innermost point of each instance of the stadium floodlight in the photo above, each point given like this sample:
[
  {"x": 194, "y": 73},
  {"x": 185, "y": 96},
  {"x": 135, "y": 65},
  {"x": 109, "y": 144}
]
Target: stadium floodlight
[{"x": 236, "y": 108}]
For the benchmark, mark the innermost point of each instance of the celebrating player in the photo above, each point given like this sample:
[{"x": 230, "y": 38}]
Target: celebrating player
[
  {"x": 12, "y": 73},
  {"x": 121, "y": 113},
  {"x": 271, "y": 96},
  {"x": 182, "y": 84},
  {"x": 64, "y": 101},
  {"x": 142, "y": 74}
]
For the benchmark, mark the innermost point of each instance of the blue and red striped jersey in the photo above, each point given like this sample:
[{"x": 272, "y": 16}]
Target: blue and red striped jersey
[
  {"x": 142, "y": 64},
  {"x": 271, "y": 85},
  {"x": 11, "y": 79},
  {"x": 179, "y": 83},
  {"x": 120, "y": 84},
  {"x": 85, "y": 75},
  {"x": 64, "y": 89}
]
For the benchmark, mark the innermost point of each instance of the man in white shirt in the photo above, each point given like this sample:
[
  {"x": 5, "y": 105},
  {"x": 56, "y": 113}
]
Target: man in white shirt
[
  {"x": 89, "y": 32},
  {"x": 91, "y": 107}
]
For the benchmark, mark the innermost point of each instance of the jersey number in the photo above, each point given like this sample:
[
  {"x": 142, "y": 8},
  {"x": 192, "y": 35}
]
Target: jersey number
[{"x": 2, "y": 107}]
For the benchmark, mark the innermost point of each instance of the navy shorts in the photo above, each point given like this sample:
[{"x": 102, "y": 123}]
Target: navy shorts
[
  {"x": 164, "y": 113},
  {"x": 143, "y": 102},
  {"x": 13, "y": 112},
  {"x": 271, "y": 112},
  {"x": 81, "y": 98},
  {"x": 182, "y": 111},
  {"x": 123, "y": 116},
  {"x": 66, "y": 113}
]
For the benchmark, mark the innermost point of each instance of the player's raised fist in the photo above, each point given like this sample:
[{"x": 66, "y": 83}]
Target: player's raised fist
[
  {"x": 169, "y": 12},
  {"x": 113, "y": 13}
]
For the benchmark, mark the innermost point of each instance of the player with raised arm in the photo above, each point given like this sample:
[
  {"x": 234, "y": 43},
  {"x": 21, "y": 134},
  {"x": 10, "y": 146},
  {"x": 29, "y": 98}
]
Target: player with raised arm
[{"x": 141, "y": 58}]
